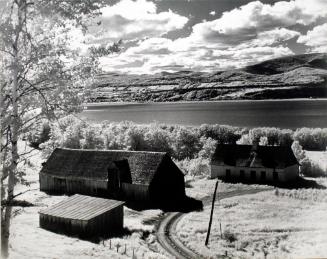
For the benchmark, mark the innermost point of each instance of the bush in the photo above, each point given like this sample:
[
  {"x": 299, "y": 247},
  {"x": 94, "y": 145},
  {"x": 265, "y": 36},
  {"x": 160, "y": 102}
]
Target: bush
[
  {"x": 311, "y": 169},
  {"x": 93, "y": 138},
  {"x": 194, "y": 167},
  {"x": 221, "y": 133},
  {"x": 185, "y": 142},
  {"x": 312, "y": 139},
  {"x": 229, "y": 236},
  {"x": 39, "y": 134}
]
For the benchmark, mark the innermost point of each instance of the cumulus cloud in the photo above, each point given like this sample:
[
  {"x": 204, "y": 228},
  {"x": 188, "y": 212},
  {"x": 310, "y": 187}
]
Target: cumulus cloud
[
  {"x": 129, "y": 20},
  {"x": 251, "y": 33},
  {"x": 155, "y": 55},
  {"x": 316, "y": 38},
  {"x": 244, "y": 23}
]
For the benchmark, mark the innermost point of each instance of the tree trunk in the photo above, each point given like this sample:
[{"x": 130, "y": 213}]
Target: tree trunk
[
  {"x": 5, "y": 224},
  {"x": 14, "y": 126}
]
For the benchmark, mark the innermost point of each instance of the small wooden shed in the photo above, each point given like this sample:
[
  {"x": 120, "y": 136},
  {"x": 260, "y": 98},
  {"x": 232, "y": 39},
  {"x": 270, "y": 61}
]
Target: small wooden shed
[
  {"x": 147, "y": 177},
  {"x": 84, "y": 216}
]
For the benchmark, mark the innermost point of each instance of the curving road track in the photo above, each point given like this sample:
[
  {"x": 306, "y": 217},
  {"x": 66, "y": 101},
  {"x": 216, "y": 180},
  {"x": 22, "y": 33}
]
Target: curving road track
[{"x": 165, "y": 233}]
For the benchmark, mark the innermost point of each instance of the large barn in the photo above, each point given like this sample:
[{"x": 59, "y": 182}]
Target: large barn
[
  {"x": 254, "y": 163},
  {"x": 150, "y": 177}
]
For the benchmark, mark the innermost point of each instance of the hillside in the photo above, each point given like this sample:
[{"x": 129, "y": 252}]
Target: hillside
[{"x": 299, "y": 76}]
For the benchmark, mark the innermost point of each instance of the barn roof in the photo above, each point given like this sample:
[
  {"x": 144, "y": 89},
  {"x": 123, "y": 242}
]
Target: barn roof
[
  {"x": 81, "y": 207},
  {"x": 250, "y": 156},
  {"x": 94, "y": 164}
]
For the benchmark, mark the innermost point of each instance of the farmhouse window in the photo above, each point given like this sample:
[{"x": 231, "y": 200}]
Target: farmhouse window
[
  {"x": 253, "y": 175},
  {"x": 242, "y": 174},
  {"x": 263, "y": 175},
  {"x": 227, "y": 173}
]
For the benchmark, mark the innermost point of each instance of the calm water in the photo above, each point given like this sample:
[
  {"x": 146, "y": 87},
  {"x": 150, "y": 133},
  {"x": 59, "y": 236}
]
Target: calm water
[{"x": 273, "y": 113}]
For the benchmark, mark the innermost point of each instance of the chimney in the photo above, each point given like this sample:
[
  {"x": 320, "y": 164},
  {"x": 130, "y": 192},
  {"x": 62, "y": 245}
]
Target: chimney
[{"x": 255, "y": 144}]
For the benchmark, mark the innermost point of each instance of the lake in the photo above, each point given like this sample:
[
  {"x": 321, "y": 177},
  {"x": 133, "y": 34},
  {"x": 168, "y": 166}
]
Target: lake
[{"x": 272, "y": 113}]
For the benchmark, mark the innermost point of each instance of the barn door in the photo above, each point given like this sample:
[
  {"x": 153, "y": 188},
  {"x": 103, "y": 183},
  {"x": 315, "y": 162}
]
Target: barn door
[{"x": 114, "y": 183}]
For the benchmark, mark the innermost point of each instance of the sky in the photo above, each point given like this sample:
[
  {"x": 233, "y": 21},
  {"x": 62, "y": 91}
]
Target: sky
[{"x": 206, "y": 35}]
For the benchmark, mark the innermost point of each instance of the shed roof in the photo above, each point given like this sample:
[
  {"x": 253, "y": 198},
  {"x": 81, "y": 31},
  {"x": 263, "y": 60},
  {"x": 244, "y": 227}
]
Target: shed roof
[
  {"x": 250, "y": 156},
  {"x": 94, "y": 164},
  {"x": 81, "y": 207}
]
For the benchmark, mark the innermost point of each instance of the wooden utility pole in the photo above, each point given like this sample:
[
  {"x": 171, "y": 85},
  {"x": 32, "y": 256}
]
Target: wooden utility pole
[{"x": 212, "y": 207}]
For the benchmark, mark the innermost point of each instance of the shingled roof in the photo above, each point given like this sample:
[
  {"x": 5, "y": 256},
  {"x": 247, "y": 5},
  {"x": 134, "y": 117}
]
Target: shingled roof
[
  {"x": 95, "y": 163},
  {"x": 250, "y": 156}
]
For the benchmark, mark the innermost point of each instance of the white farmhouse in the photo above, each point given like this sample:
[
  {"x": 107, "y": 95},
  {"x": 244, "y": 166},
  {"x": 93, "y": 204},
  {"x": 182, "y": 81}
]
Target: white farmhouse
[{"x": 254, "y": 163}]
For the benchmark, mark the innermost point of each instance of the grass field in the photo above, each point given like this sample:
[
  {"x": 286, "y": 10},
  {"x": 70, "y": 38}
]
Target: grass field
[{"x": 272, "y": 223}]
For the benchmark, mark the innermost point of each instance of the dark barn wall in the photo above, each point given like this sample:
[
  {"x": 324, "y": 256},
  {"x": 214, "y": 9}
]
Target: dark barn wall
[
  {"x": 106, "y": 224},
  {"x": 135, "y": 192},
  {"x": 168, "y": 185},
  {"x": 61, "y": 185}
]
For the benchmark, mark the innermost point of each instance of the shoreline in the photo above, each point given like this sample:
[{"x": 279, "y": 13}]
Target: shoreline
[{"x": 194, "y": 102}]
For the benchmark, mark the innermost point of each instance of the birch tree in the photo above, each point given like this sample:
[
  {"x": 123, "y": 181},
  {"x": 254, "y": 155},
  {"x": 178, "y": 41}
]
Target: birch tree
[{"x": 41, "y": 76}]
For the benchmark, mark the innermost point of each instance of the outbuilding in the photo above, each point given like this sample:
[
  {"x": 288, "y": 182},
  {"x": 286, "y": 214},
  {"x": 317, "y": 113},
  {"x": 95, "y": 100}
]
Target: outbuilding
[
  {"x": 254, "y": 163},
  {"x": 147, "y": 177},
  {"x": 84, "y": 216}
]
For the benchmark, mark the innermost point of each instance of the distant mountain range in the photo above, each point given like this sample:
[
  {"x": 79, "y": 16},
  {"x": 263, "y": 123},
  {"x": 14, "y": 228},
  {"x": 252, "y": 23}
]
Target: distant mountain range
[{"x": 299, "y": 76}]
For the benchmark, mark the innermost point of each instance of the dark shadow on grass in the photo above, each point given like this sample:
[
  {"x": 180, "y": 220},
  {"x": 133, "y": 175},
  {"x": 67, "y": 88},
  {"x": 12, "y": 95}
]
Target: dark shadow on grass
[
  {"x": 17, "y": 203},
  {"x": 185, "y": 204}
]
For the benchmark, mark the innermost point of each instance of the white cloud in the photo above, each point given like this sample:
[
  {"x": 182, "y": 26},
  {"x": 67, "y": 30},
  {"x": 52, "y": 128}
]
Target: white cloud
[
  {"x": 246, "y": 35},
  {"x": 244, "y": 23},
  {"x": 155, "y": 55},
  {"x": 316, "y": 38},
  {"x": 268, "y": 38},
  {"x": 135, "y": 20}
]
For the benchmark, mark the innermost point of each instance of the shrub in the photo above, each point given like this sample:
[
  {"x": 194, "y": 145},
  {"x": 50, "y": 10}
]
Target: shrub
[
  {"x": 185, "y": 143},
  {"x": 229, "y": 236},
  {"x": 221, "y": 133},
  {"x": 208, "y": 147},
  {"x": 311, "y": 169},
  {"x": 194, "y": 167},
  {"x": 39, "y": 134},
  {"x": 298, "y": 151},
  {"x": 93, "y": 138},
  {"x": 312, "y": 139}
]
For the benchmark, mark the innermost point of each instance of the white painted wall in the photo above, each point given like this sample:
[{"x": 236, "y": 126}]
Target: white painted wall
[{"x": 284, "y": 175}]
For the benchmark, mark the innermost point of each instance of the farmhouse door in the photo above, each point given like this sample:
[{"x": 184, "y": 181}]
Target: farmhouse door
[{"x": 275, "y": 176}]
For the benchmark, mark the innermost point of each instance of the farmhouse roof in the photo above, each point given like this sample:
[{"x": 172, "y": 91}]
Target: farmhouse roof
[
  {"x": 250, "y": 156},
  {"x": 71, "y": 163}
]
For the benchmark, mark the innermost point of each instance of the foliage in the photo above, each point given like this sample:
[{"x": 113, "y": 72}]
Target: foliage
[
  {"x": 312, "y": 139},
  {"x": 298, "y": 151},
  {"x": 194, "y": 167},
  {"x": 39, "y": 134},
  {"x": 311, "y": 169},
  {"x": 222, "y": 133}
]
